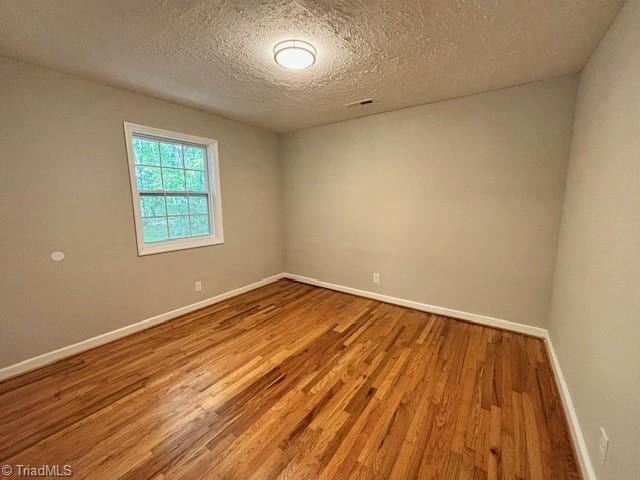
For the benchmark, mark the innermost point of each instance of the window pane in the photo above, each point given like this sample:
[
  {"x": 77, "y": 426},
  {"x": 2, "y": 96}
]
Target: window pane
[
  {"x": 152, "y": 205},
  {"x": 177, "y": 205},
  {"x": 179, "y": 227},
  {"x": 154, "y": 229},
  {"x": 200, "y": 225},
  {"x": 172, "y": 186},
  {"x": 194, "y": 157},
  {"x": 171, "y": 155},
  {"x": 146, "y": 151},
  {"x": 199, "y": 204},
  {"x": 148, "y": 178},
  {"x": 196, "y": 181},
  {"x": 173, "y": 179}
]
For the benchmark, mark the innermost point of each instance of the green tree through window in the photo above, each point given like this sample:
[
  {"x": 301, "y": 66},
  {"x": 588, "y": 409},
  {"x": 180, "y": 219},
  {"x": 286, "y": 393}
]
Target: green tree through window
[{"x": 172, "y": 181}]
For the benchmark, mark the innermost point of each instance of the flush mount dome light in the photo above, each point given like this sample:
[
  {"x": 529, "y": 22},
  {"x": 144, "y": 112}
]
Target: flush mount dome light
[{"x": 294, "y": 54}]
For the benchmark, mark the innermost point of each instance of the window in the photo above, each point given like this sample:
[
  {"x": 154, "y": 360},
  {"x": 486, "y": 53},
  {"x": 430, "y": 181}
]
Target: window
[{"x": 175, "y": 184}]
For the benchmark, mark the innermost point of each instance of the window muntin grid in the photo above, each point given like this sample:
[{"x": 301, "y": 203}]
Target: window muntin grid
[{"x": 173, "y": 187}]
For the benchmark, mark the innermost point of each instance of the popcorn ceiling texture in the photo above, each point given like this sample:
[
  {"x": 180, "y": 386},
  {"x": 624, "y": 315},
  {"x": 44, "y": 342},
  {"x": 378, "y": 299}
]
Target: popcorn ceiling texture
[{"x": 217, "y": 55}]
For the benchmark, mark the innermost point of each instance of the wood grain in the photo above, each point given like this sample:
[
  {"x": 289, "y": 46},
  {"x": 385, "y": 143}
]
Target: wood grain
[{"x": 292, "y": 381}]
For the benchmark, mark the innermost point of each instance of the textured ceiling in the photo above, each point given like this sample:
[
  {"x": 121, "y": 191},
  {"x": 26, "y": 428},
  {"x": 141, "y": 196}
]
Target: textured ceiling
[{"x": 217, "y": 55}]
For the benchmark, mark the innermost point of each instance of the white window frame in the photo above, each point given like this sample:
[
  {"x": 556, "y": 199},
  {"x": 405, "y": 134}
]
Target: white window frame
[{"x": 213, "y": 182}]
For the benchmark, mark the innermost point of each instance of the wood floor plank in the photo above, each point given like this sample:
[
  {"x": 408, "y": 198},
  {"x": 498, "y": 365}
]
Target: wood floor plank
[{"x": 290, "y": 381}]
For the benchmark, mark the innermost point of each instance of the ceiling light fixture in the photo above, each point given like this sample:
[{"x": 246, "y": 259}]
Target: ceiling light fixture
[{"x": 294, "y": 54}]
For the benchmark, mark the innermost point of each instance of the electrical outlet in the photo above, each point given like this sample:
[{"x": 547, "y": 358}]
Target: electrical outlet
[
  {"x": 603, "y": 446},
  {"x": 376, "y": 278},
  {"x": 198, "y": 286}
]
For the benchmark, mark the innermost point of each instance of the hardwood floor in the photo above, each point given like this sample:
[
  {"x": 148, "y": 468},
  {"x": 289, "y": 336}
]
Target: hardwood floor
[{"x": 296, "y": 382}]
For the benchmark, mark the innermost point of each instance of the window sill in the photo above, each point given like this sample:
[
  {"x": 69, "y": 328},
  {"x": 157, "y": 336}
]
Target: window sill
[{"x": 174, "y": 245}]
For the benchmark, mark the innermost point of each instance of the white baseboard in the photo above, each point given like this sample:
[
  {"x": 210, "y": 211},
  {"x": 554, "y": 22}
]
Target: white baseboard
[
  {"x": 50, "y": 357},
  {"x": 572, "y": 417},
  {"x": 447, "y": 312},
  {"x": 574, "y": 426}
]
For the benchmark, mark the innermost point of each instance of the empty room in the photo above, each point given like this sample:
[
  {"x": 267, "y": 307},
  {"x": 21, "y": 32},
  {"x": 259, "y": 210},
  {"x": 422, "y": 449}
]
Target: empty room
[{"x": 320, "y": 239}]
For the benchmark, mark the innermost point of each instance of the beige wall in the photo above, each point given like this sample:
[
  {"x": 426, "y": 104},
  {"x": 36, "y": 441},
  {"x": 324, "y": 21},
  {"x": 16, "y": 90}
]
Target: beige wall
[
  {"x": 456, "y": 204},
  {"x": 595, "y": 317},
  {"x": 64, "y": 185}
]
